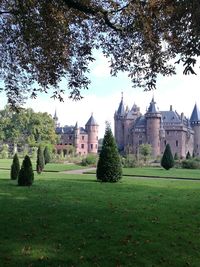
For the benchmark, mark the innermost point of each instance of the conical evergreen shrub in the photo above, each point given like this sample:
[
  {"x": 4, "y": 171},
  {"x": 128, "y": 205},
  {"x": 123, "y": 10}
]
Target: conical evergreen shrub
[
  {"x": 176, "y": 157},
  {"x": 109, "y": 168},
  {"x": 188, "y": 156},
  {"x": 47, "y": 157},
  {"x": 15, "y": 168},
  {"x": 167, "y": 161},
  {"x": 40, "y": 160},
  {"x": 26, "y": 174}
]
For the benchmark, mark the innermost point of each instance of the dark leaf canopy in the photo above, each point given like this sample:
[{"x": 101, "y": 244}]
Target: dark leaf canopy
[{"x": 43, "y": 41}]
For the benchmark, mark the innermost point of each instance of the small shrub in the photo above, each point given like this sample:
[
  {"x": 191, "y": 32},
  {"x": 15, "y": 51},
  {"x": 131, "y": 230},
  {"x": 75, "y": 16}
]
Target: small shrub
[
  {"x": 47, "y": 157},
  {"x": 90, "y": 159},
  {"x": 15, "y": 168},
  {"x": 188, "y": 156},
  {"x": 26, "y": 174},
  {"x": 167, "y": 160},
  {"x": 176, "y": 157},
  {"x": 40, "y": 160},
  {"x": 129, "y": 161},
  {"x": 190, "y": 164}
]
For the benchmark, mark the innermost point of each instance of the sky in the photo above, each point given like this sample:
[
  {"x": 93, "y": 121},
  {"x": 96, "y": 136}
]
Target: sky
[{"x": 104, "y": 95}]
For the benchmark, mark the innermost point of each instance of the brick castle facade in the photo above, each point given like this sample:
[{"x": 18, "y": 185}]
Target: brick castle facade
[
  {"x": 84, "y": 140},
  {"x": 157, "y": 128}
]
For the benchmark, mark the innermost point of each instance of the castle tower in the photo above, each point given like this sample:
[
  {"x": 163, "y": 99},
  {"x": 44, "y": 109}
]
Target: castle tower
[
  {"x": 195, "y": 124},
  {"x": 92, "y": 129},
  {"x": 76, "y": 136},
  {"x": 153, "y": 127},
  {"x": 119, "y": 125}
]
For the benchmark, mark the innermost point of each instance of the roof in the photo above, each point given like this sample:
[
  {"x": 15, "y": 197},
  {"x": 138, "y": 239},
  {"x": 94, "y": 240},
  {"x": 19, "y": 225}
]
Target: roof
[
  {"x": 152, "y": 107},
  {"x": 170, "y": 116},
  {"x": 66, "y": 130},
  {"x": 140, "y": 121},
  {"x": 121, "y": 109},
  {"x": 195, "y": 117},
  {"x": 91, "y": 121}
]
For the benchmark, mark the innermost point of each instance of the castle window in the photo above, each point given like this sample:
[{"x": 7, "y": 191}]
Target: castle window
[
  {"x": 165, "y": 142},
  {"x": 70, "y": 137},
  {"x": 82, "y": 146},
  {"x": 83, "y": 137},
  {"x": 66, "y": 144},
  {"x": 91, "y": 146},
  {"x": 140, "y": 142},
  {"x": 176, "y": 142},
  {"x": 168, "y": 132}
]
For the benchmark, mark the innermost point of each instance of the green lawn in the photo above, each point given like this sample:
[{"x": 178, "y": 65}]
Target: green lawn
[
  {"x": 156, "y": 171},
  {"x": 52, "y": 167},
  {"x": 72, "y": 220}
]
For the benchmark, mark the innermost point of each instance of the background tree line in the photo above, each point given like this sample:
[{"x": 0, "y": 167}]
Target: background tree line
[{"x": 27, "y": 128}]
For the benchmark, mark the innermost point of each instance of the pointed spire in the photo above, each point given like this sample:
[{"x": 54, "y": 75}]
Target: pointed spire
[
  {"x": 121, "y": 109},
  {"x": 55, "y": 117},
  {"x": 76, "y": 126},
  {"x": 195, "y": 117},
  {"x": 91, "y": 121},
  {"x": 152, "y": 106}
]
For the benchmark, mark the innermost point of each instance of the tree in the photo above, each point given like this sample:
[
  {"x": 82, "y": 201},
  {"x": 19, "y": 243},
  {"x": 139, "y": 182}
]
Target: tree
[
  {"x": 109, "y": 168},
  {"x": 47, "y": 157},
  {"x": 145, "y": 150},
  {"x": 43, "y": 41},
  {"x": 40, "y": 160},
  {"x": 188, "y": 156},
  {"x": 15, "y": 168},
  {"x": 26, "y": 174},
  {"x": 167, "y": 160},
  {"x": 176, "y": 157},
  {"x": 26, "y": 127}
]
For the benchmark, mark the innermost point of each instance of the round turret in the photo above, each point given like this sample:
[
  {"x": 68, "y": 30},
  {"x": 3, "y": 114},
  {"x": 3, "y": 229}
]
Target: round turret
[
  {"x": 153, "y": 127},
  {"x": 119, "y": 125},
  {"x": 195, "y": 124},
  {"x": 92, "y": 129}
]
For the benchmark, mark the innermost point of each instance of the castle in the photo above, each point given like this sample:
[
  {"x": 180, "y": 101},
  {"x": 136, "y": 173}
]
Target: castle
[
  {"x": 84, "y": 140},
  {"x": 157, "y": 128}
]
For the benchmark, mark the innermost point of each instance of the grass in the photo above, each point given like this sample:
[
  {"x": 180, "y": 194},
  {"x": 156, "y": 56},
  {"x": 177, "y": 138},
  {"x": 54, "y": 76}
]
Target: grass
[
  {"x": 72, "y": 220},
  {"x": 160, "y": 172},
  {"x": 50, "y": 167},
  {"x": 156, "y": 171}
]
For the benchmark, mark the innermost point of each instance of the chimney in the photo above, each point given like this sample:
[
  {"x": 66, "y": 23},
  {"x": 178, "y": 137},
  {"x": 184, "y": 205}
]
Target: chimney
[
  {"x": 182, "y": 116},
  {"x": 170, "y": 108}
]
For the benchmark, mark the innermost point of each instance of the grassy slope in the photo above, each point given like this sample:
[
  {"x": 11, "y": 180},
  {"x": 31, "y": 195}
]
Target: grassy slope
[{"x": 72, "y": 220}]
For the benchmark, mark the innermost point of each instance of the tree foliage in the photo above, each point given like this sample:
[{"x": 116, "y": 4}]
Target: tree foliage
[
  {"x": 15, "y": 168},
  {"x": 40, "y": 160},
  {"x": 176, "y": 157},
  {"x": 26, "y": 174},
  {"x": 47, "y": 156},
  {"x": 43, "y": 41},
  {"x": 167, "y": 161},
  {"x": 188, "y": 156},
  {"x": 109, "y": 168},
  {"x": 26, "y": 127},
  {"x": 145, "y": 150}
]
